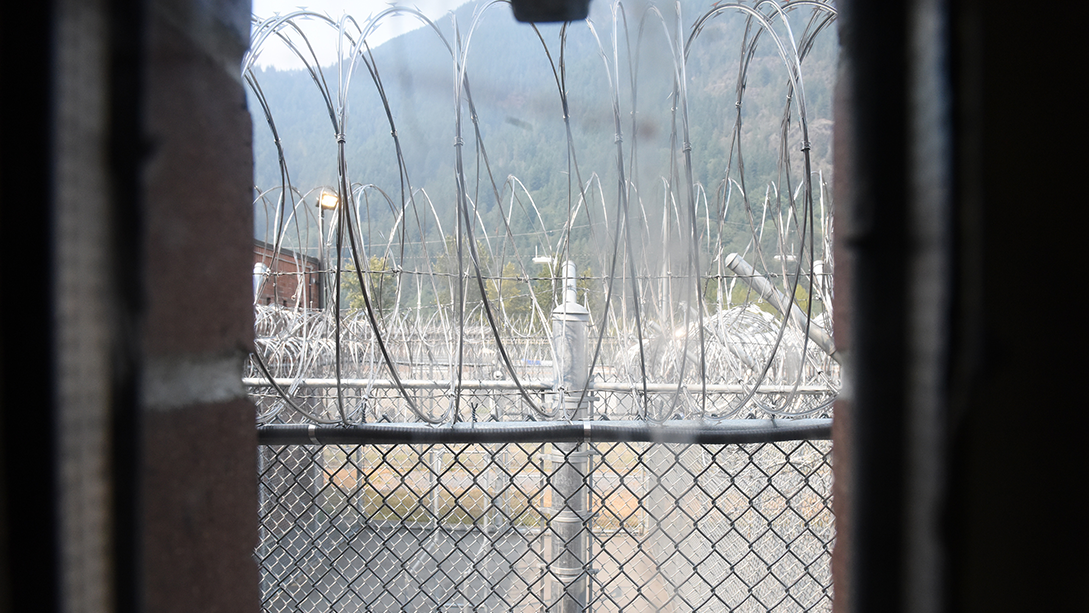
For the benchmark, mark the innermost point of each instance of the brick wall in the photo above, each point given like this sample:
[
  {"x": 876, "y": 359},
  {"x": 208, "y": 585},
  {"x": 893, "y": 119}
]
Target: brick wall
[
  {"x": 291, "y": 279},
  {"x": 199, "y": 443}
]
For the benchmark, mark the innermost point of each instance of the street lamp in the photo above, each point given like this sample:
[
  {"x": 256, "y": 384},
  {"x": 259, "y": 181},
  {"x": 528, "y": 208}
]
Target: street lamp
[
  {"x": 544, "y": 259},
  {"x": 328, "y": 200}
]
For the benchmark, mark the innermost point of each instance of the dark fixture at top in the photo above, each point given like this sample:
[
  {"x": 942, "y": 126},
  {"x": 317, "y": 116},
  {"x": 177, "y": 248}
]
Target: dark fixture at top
[{"x": 534, "y": 11}]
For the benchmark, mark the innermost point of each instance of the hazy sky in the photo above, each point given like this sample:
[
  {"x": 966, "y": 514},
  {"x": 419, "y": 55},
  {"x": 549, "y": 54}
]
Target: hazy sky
[{"x": 277, "y": 55}]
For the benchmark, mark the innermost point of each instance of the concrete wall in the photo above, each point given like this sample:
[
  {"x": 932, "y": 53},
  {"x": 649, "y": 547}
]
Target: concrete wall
[
  {"x": 129, "y": 448},
  {"x": 957, "y": 480}
]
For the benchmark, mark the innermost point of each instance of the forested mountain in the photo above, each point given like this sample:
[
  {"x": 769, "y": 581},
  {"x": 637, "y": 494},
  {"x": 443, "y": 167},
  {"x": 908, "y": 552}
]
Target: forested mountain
[{"x": 512, "y": 71}]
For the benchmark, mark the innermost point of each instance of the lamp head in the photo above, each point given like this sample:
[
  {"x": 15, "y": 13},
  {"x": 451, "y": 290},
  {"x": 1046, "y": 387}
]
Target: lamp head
[{"x": 328, "y": 200}]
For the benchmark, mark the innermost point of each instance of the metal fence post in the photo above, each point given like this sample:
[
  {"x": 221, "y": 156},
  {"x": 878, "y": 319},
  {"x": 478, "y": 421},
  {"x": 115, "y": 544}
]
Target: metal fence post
[{"x": 571, "y": 481}]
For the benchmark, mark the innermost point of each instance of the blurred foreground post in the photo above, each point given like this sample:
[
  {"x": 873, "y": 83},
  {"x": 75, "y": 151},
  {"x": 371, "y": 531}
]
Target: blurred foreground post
[{"x": 570, "y": 521}]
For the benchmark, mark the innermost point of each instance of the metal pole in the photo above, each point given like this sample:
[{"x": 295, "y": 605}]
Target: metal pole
[
  {"x": 781, "y": 303},
  {"x": 571, "y": 482}
]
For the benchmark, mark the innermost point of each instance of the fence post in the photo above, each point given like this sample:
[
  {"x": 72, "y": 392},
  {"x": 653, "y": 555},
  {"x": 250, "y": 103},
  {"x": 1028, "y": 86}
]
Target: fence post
[{"x": 571, "y": 481}]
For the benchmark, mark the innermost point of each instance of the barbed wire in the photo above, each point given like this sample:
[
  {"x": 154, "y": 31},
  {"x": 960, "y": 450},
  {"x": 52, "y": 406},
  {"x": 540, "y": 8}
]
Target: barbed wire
[{"x": 462, "y": 300}]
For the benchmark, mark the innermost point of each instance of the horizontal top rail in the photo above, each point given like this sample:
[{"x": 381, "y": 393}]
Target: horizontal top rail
[{"x": 725, "y": 432}]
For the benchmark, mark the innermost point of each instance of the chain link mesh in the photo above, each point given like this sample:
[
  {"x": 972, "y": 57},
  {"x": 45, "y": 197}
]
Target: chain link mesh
[
  {"x": 405, "y": 298},
  {"x": 474, "y": 527}
]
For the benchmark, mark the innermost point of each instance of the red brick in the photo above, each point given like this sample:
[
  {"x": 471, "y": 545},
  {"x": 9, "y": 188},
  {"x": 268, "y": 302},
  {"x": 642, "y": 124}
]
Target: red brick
[
  {"x": 198, "y": 198},
  {"x": 200, "y": 507}
]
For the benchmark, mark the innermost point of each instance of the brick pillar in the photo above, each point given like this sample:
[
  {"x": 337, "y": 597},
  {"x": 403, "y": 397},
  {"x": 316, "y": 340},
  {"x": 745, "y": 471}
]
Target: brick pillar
[{"x": 199, "y": 489}]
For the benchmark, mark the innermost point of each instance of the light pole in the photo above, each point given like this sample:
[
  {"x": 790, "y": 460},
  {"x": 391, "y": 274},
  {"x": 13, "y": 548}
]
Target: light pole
[{"x": 327, "y": 201}]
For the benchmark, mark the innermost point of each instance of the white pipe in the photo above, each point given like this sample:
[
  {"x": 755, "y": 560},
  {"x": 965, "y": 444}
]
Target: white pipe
[{"x": 570, "y": 289}]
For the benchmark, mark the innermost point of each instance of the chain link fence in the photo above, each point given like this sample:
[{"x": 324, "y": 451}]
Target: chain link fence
[
  {"x": 505, "y": 526},
  {"x": 610, "y": 392}
]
